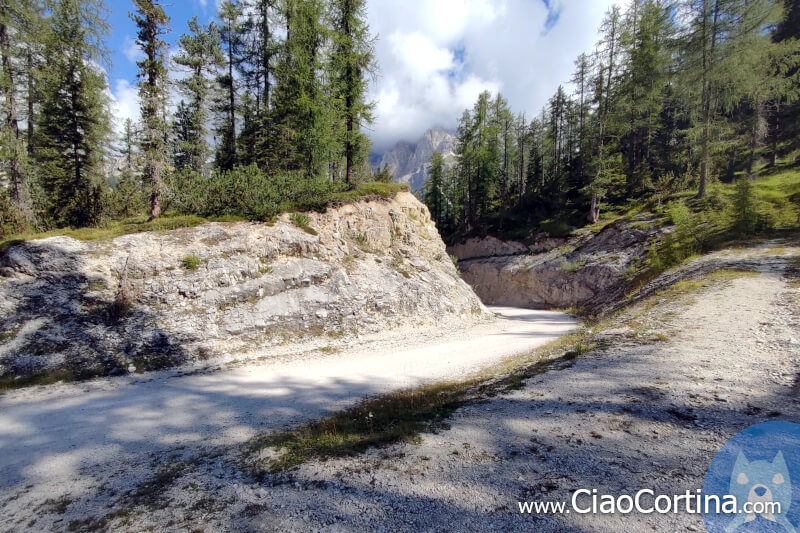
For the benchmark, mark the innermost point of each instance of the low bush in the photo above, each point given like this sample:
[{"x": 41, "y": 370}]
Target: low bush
[{"x": 191, "y": 262}]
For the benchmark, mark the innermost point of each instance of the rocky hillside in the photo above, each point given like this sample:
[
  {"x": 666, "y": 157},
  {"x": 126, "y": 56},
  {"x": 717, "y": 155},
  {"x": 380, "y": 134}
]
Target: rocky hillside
[
  {"x": 408, "y": 162},
  {"x": 587, "y": 270},
  {"x": 151, "y": 300}
]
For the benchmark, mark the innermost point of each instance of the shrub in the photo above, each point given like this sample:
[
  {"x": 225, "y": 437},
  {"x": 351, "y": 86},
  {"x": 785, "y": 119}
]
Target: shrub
[
  {"x": 745, "y": 207},
  {"x": 249, "y": 192},
  {"x": 300, "y": 220},
  {"x": 191, "y": 262},
  {"x": 575, "y": 266}
]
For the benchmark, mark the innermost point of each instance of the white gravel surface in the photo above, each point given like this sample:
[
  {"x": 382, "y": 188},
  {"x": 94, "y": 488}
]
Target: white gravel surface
[
  {"x": 63, "y": 443},
  {"x": 675, "y": 379}
]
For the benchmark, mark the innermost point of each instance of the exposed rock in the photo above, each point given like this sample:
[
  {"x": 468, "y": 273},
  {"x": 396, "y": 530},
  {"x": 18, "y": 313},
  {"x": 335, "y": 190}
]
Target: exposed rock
[
  {"x": 489, "y": 246},
  {"x": 587, "y": 269},
  {"x": 409, "y": 162},
  {"x": 152, "y": 300}
]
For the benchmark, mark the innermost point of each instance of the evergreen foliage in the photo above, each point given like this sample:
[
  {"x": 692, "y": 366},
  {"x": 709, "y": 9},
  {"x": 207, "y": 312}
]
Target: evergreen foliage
[
  {"x": 74, "y": 127},
  {"x": 151, "y": 21},
  {"x": 675, "y": 96}
]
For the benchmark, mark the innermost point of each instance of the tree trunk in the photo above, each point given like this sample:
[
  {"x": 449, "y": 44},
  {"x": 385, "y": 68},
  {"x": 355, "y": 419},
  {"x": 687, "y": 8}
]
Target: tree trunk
[
  {"x": 594, "y": 209},
  {"x": 15, "y": 165},
  {"x": 231, "y": 93},
  {"x": 29, "y": 64},
  {"x": 265, "y": 53}
]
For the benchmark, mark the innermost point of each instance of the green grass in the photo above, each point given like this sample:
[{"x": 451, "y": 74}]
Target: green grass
[
  {"x": 402, "y": 416},
  {"x": 49, "y": 377},
  {"x": 369, "y": 189},
  {"x": 116, "y": 228},
  {"x": 191, "y": 262}
]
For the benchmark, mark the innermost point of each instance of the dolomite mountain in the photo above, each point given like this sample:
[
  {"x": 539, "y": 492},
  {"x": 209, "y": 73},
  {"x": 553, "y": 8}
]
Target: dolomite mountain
[
  {"x": 152, "y": 300},
  {"x": 409, "y": 162}
]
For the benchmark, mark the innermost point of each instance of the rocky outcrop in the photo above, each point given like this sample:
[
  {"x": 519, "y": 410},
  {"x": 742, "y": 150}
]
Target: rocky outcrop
[
  {"x": 587, "y": 270},
  {"x": 151, "y": 300}
]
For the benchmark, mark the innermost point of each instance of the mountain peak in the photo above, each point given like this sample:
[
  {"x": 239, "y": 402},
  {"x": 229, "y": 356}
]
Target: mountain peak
[{"x": 408, "y": 161}]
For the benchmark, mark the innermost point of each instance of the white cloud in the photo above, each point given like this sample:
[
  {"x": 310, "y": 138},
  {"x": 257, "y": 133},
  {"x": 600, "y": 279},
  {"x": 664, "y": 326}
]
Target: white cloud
[
  {"x": 124, "y": 103},
  {"x": 132, "y": 50},
  {"x": 436, "y": 56}
]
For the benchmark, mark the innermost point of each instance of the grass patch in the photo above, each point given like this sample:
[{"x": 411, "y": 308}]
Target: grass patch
[
  {"x": 574, "y": 266},
  {"x": 302, "y": 221},
  {"x": 117, "y": 228},
  {"x": 367, "y": 190},
  {"x": 49, "y": 377},
  {"x": 401, "y": 416},
  {"x": 191, "y": 262}
]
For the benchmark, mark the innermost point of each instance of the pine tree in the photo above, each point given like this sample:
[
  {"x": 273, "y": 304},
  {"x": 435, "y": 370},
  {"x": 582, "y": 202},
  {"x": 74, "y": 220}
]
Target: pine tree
[
  {"x": 151, "y": 21},
  {"x": 200, "y": 53},
  {"x": 230, "y": 16},
  {"x": 126, "y": 198},
  {"x": 647, "y": 33},
  {"x": 20, "y": 29},
  {"x": 301, "y": 114},
  {"x": 74, "y": 131},
  {"x": 434, "y": 188},
  {"x": 353, "y": 59}
]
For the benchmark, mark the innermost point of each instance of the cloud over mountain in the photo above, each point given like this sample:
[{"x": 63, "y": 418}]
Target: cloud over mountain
[{"x": 436, "y": 56}]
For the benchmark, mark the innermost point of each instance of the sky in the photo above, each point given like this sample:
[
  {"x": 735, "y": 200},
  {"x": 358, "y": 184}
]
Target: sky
[{"x": 435, "y": 56}]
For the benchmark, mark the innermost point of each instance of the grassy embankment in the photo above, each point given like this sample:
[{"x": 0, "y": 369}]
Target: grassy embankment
[{"x": 115, "y": 228}]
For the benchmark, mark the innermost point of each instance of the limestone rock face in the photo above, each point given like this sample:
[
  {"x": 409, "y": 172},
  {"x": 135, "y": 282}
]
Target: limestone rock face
[
  {"x": 586, "y": 270},
  {"x": 153, "y": 300}
]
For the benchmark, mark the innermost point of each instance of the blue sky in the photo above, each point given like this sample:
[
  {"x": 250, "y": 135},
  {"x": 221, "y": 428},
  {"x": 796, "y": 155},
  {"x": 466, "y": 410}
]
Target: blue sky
[
  {"x": 123, "y": 30},
  {"x": 435, "y": 56}
]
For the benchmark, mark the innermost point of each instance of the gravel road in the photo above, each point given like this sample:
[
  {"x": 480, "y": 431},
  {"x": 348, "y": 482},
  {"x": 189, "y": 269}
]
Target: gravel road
[{"x": 61, "y": 446}]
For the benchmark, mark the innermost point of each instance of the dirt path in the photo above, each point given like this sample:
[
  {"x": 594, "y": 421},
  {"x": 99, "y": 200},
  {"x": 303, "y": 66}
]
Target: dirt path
[
  {"x": 70, "y": 443},
  {"x": 636, "y": 414}
]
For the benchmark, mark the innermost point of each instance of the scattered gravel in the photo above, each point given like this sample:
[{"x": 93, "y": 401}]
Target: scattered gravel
[{"x": 637, "y": 413}]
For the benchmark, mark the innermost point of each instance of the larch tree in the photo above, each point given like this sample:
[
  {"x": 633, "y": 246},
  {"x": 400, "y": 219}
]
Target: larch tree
[
  {"x": 353, "y": 59},
  {"x": 17, "y": 19},
  {"x": 434, "y": 188},
  {"x": 200, "y": 54},
  {"x": 230, "y": 15},
  {"x": 74, "y": 131},
  {"x": 151, "y": 21},
  {"x": 302, "y": 135}
]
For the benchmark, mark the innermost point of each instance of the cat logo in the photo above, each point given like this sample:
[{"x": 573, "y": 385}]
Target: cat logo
[
  {"x": 753, "y": 473},
  {"x": 761, "y": 488}
]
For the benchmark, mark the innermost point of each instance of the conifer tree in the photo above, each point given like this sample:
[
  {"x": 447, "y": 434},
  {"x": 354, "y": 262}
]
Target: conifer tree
[
  {"x": 230, "y": 16},
  {"x": 151, "y": 21},
  {"x": 200, "y": 53},
  {"x": 20, "y": 31},
  {"x": 353, "y": 59},
  {"x": 301, "y": 113},
  {"x": 74, "y": 131},
  {"x": 434, "y": 188}
]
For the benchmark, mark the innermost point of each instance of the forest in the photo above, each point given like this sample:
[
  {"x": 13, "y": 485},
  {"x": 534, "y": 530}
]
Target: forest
[
  {"x": 272, "y": 102},
  {"x": 676, "y": 97}
]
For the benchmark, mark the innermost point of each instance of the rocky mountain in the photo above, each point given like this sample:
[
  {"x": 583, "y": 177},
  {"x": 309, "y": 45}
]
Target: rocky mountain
[
  {"x": 152, "y": 300},
  {"x": 409, "y": 162}
]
